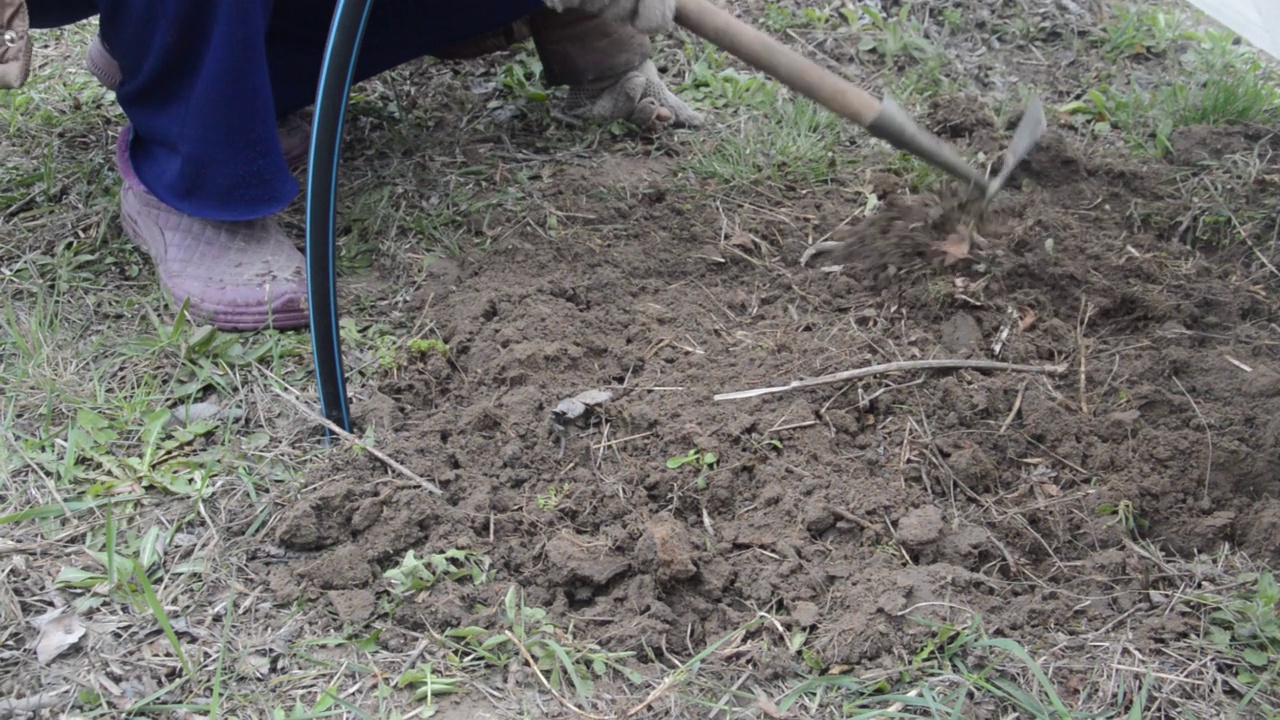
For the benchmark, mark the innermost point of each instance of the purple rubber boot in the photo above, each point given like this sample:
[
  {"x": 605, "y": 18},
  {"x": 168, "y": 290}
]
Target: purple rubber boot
[
  {"x": 242, "y": 276},
  {"x": 295, "y": 135}
]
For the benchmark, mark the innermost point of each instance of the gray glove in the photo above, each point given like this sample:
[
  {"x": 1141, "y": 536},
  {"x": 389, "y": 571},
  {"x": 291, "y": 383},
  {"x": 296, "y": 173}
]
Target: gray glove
[
  {"x": 647, "y": 16},
  {"x": 639, "y": 97}
]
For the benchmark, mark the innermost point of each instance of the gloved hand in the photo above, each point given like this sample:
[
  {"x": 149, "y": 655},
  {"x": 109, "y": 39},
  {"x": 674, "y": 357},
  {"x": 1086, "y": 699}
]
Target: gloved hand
[
  {"x": 639, "y": 97},
  {"x": 648, "y": 16}
]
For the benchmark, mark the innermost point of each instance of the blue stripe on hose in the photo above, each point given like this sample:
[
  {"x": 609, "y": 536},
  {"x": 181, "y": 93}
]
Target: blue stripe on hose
[{"x": 329, "y": 370}]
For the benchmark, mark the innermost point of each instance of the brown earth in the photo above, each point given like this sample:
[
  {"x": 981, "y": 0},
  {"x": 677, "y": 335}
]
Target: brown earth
[{"x": 930, "y": 495}]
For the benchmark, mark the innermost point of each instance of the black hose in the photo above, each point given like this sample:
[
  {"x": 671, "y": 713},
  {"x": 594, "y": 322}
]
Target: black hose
[{"x": 345, "y": 34}]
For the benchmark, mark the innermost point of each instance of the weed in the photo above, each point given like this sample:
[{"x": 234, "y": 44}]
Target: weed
[
  {"x": 704, "y": 462},
  {"x": 952, "y": 20},
  {"x": 765, "y": 445},
  {"x": 557, "y": 655},
  {"x": 780, "y": 18},
  {"x": 1229, "y": 84},
  {"x": 323, "y": 708},
  {"x": 1216, "y": 83},
  {"x": 1141, "y": 31},
  {"x": 521, "y": 76},
  {"x": 390, "y": 351},
  {"x": 419, "y": 346},
  {"x": 894, "y": 37},
  {"x": 415, "y": 574},
  {"x": 1134, "y": 525},
  {"x": 955, "y": 670},
  {"x": 1247, "y": 625},
  {"x": 550, "y": 500},
  {"x": 714, "y": 84},
  {"x": 427, "y": 684}
]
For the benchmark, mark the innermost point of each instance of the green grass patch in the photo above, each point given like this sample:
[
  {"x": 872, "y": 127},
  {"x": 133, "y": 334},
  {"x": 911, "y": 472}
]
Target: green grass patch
[
  {"x": 1141, "y": 31},
  {"x": 796, "y": 143},
  {"x": 1215, "y": 82}
]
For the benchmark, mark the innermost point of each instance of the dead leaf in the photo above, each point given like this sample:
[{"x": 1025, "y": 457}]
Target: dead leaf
[
  {"x": 767, "y": 705},
  {"x": 158, "y": 648},
  {"x": 577, "y": 407},
  {"x": 1027, "y": 319},
  {"x": 58, "y": 631},
  {"x": 594, "y": 397},
  {"x": 1049, "y": 490},
  {"x": 955, "y": 248},
  {"x": 255, "y": 665},
  {"x": 711, "y": 254},
  {"x": 820, "y": 250}
]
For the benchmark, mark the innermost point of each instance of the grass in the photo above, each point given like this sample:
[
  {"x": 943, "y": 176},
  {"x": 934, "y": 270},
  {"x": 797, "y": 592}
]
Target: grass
[
  {"x": 117, "y": 505},
  {"x": 1142, "y": 31},
  {"x": 1207, "y": 80},
  {"x": 794, "y": 144}
]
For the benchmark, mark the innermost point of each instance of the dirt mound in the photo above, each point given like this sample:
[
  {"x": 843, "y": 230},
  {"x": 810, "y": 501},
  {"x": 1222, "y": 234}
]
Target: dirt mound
[
  {"x": 1204, "y": 143},
  {"x": 909, "y": 233},
  {"x": 957, "y": 117},
  {"x": 849, "y": 508}
]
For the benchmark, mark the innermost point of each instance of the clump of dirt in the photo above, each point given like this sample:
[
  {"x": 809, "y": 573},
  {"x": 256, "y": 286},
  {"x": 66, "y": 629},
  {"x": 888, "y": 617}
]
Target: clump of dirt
[
  {"x": 850, "y": 508},
  {"x": 1206, "y": 143},
  {"x": 908, "y": 233},
  {"x": 970, "y": 121}
]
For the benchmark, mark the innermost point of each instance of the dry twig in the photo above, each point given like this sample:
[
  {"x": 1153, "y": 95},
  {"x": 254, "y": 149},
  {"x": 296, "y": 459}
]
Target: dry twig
[
  {"x": 1208, "y": 467},
  {"x": 903, "y": 366},
  {"x": 1003, "y": 335},
  {"x": 533, "y": 664},
  {"x": 1086, "y": 310},
  {"x": 313, "y": 415},
  {"x": 1017, "y": 405},
  {"x": 14, "y": 707}
]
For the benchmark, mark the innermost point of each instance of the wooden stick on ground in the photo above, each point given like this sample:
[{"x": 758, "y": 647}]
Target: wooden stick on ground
[
  {"x": 425, "y": 483},
  {"x": 894, "y": 367},
  {"x": 32, "y": 703}
]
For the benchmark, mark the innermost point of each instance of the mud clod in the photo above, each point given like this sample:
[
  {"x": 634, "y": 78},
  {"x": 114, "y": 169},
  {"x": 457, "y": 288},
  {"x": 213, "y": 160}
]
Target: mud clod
[
  {"x": 920, "y": 527},
  {"x": 582, "y": 563},
  {"x": 354, "y": 606},
  {"x": 666, "y": 551}
]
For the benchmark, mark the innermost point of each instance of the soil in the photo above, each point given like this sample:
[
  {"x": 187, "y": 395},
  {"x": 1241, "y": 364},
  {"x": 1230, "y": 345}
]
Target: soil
[{"x": 848, "y": 509}]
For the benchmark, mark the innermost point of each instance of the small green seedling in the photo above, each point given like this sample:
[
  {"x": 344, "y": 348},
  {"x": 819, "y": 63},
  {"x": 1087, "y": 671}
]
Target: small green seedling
[
  {"x": 1134, "y": 525},
  {"x": 564, "y": 661},
  {"x": 522, "y": 76},
  {"x": 428, "y": 684},
  {"x": 550, "y": 500},
  {"x": 424, "y": 347},
  {"x": 704, "y": 461},
  {"x": 415, "y": 573}
]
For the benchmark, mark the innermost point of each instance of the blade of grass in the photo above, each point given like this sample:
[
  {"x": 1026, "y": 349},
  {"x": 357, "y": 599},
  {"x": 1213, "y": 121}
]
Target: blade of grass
[
  {"x": 228, "y": 622},
  {"x": 1017, "y": 651},
  {"x": 153, "y": 602},
  {"x": 45, "y": 512}
]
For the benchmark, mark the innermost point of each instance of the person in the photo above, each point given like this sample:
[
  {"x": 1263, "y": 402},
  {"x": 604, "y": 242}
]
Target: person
[{"x": 211, "y": 91}]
